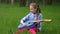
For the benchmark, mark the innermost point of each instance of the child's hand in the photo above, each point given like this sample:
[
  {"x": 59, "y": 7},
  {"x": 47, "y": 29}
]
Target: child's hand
[
  {"x": 24, "y": 24},
  {"x": 37, "y": 21}
]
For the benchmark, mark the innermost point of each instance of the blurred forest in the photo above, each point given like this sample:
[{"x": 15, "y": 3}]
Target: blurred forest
[{"x": 27, "y": 2}]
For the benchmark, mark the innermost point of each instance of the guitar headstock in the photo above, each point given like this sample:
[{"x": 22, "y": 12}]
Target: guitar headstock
[{"x": 47, "y": 20}]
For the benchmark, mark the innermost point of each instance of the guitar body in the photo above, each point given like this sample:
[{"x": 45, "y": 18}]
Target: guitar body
[
  {"x": 31, "y": 25},
  {"x": 28, "y": 25}
]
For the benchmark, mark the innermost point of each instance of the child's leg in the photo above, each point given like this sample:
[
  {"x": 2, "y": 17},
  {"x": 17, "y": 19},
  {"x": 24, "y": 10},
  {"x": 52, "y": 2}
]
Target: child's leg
[
  {"x": 19, "y": 31},
  {"x": 33, "y": 30}
]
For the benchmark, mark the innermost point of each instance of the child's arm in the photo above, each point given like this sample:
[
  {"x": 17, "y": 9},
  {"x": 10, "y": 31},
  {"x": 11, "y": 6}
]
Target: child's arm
[
  {"x": 23, "y": 20},
  {"x": 40, "y": 18}
]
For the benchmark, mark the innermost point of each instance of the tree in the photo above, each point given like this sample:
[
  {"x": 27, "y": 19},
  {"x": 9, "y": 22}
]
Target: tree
[
  {"x": 27, "y": 3},
  {"x": 35, "y": 1},
  {"x": 12, "y": 2},
  {"x": 31, "y": 1},
  {"x": 44, "y": 2},
  {"x": 22, "y": 2},
  {"x": 0, "y": 1},
  {"x": 7, "y": 1},
  {"x": 49, "y": 2}
]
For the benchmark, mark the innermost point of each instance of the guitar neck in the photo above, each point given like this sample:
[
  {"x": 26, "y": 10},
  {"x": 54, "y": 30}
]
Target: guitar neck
[{"x": 46, "y": 20}]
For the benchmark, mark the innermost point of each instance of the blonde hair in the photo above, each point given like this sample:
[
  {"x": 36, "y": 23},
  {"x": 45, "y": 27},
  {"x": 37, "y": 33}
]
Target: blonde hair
[{"x": 34, "y": 5}]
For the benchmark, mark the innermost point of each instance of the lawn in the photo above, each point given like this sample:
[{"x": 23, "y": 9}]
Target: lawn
[{"x": 10, "y": 18}]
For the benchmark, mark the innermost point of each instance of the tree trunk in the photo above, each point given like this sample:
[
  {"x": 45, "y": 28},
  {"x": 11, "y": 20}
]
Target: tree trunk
[
  {"x": 49, "y": 1},
  {"x": 44, "y": 2},
  {"x": 0, "y": 1},
  {"x": 7, "y": 1},
  {"x": 22, "y": 3},
  {"x": 12, "y": 2},
  {"x": 35, "y": 1},
  {"x": 27, "y": 3}
]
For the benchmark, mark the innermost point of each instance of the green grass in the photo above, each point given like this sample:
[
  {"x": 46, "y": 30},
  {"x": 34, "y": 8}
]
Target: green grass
[{"x": 10, "y": 17}]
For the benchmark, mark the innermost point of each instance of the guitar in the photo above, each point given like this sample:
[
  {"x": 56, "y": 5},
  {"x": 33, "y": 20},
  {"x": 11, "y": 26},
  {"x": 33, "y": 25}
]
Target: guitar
[{"x": 32, "y": 24}]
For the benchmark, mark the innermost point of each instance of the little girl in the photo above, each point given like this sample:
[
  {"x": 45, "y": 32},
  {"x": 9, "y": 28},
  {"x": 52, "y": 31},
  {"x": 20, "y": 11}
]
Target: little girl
[{"x": 33, "y": 17}]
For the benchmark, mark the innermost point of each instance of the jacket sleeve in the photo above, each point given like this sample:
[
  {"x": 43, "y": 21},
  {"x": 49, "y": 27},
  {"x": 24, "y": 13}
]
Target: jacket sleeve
[
  {"x": 40, "y": 18},
  {"x": 25, "y": 19}
]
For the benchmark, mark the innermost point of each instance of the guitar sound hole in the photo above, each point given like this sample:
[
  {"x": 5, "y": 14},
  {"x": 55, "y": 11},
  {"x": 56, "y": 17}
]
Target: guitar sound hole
[
  {"x": 29, "y": 22},
  {"x": 34, "y": 22}
]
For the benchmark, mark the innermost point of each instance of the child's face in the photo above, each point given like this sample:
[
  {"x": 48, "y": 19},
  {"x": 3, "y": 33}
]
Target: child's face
[{"x": 32, "y": 9}]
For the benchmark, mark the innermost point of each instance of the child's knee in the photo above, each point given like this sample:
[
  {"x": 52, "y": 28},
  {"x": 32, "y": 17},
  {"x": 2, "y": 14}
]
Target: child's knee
[{"x": 33, "y": 31}]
